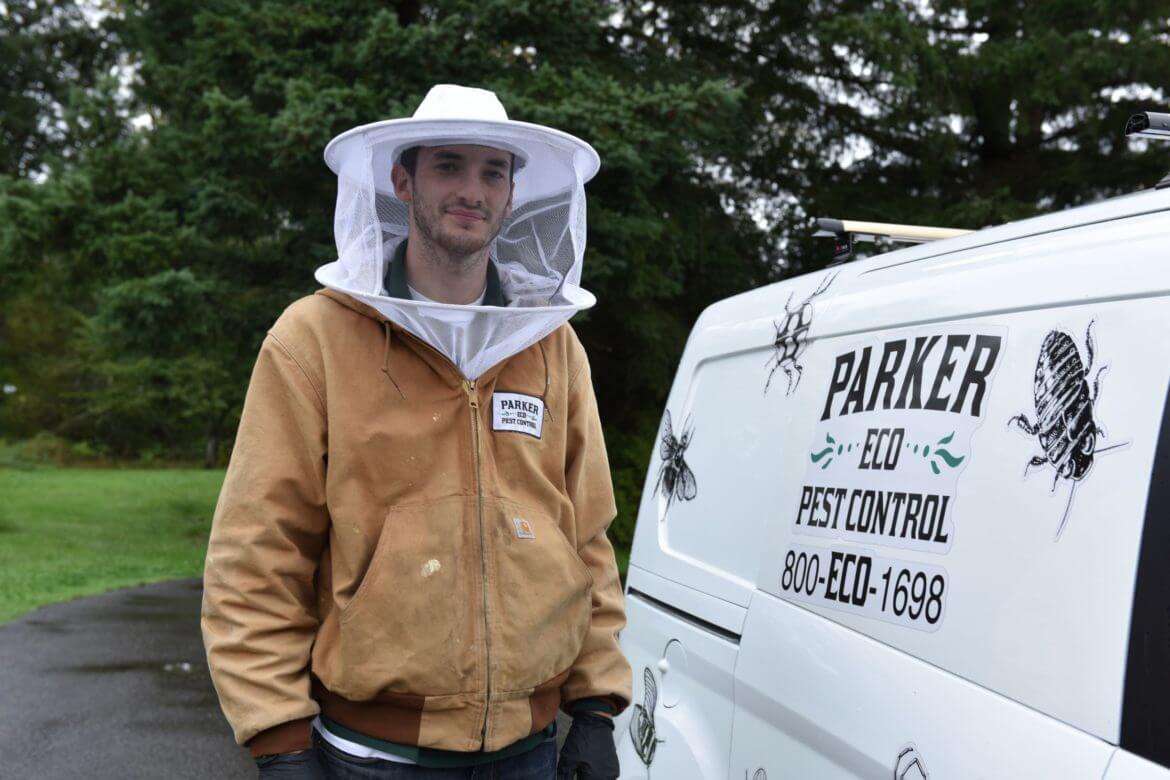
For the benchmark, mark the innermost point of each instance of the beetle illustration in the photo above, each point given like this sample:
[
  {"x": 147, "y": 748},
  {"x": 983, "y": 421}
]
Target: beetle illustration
[
  {"x": 1065, "y": 401},
  {"x": 792, "y": 338},
  {"x": 674, "y": 475},
  {"x": 642, "y": 724}
]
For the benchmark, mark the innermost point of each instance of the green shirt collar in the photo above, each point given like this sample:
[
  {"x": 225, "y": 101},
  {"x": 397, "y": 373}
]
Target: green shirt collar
[{"x": 395, "y": 280}]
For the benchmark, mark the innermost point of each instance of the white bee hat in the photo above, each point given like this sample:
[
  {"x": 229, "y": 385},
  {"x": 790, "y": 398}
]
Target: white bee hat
[
  {"x": 452, "y": 114},
  {"x": 538, "y": 253}
]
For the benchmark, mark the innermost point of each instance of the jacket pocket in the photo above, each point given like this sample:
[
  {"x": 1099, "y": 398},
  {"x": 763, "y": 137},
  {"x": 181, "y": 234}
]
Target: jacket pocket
[
  {"x": 542, "y": 599},
  {"x": 414, "y": 623}
]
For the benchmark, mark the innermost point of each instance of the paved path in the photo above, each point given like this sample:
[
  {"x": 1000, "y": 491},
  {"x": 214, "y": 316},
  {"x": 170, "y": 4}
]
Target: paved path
[
  {"x": 116, "y": 687},
  {"x": 113, "y": 686}
]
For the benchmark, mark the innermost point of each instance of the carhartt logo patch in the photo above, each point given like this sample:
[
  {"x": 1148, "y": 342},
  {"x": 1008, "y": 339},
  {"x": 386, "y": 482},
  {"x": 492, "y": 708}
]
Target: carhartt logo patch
[
  {"x": 523, "y": 528},
  {"x": 518, "y": 413}
]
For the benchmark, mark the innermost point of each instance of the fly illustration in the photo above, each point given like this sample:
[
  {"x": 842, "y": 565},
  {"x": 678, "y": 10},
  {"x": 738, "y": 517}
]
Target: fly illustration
[
  {"x": 675, "y": 477},
  {"x": 642, "y": 724},
  {"x": 1065, "y": 401},
  {"x": 792, "y": 338}
]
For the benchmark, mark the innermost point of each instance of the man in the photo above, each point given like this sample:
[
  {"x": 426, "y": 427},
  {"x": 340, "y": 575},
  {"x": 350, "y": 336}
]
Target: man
[{"x": 408, "y": 571}]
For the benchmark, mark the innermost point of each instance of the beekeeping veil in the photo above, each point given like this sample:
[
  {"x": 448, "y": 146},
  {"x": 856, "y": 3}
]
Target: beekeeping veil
[{"x": 537, "y": 254}]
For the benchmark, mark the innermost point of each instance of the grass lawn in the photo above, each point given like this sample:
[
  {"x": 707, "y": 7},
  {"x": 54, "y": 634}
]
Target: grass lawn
[{"x": 66, "y": 533}]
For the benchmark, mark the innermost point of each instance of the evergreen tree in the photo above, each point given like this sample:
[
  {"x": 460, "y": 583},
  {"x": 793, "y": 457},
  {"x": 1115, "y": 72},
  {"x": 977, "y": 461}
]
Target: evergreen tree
[
  {"x": 180, "y": 240},
  {"x": 963, "y": 113}
]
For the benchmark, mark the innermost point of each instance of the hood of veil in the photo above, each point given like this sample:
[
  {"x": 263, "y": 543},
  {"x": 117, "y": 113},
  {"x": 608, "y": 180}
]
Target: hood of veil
[{"x": 538, "y": 252}]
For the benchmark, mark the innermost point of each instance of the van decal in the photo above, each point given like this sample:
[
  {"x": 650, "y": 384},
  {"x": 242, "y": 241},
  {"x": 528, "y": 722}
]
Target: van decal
[
  {"x": 791, "y": 338},
  {"x": 1065, "y": 402},
  {"x": 927, "y": 380},
  {"x": 909, "y": 765},
  {"x": 894, "y": 437},
  {"x": 904, "y": 593},
  {"x": 825, "y": 456},
  {"x": 675, "y": 477},
  {"x": 759, "y": 775},
  {"x": 642, "y": 731}
]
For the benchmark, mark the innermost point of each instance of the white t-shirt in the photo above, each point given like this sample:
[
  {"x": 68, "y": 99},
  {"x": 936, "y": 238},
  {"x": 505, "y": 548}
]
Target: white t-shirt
[
  {"x": 353, "y": 748},
  {"x": 456, "y": 316}
]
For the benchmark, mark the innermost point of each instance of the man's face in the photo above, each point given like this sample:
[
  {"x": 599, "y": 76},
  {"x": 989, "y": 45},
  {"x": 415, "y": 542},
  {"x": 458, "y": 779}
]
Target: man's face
[{"x": 459, "y": 196}]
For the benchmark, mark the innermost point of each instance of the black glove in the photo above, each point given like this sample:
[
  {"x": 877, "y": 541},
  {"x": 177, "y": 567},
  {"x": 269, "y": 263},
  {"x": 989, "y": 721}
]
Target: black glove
[
  {"x": 589, "y": 752},
  {"x": 293, "y": 766}
]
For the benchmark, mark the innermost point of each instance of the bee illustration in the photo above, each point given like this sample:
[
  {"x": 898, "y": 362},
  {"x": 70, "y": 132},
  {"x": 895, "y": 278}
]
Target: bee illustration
[
  {"x": 675, "y": 477},
  {"x": 759, "y": 775},
  {"x": 792, "y": 338},
  {"x": 1064, "y": 403},
  {"x": 642, "y": 724}
]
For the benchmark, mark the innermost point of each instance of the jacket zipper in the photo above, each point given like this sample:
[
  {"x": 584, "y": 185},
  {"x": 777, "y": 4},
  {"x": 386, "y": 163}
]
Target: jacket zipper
[{"x": 473, "y": 401}]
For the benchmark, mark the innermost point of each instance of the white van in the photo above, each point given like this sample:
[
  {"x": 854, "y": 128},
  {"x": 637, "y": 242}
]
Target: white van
[{"x": 910, "y": 517}]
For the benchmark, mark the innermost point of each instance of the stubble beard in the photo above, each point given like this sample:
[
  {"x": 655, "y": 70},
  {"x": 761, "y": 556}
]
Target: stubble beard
[{"x": 457, "y": 252}]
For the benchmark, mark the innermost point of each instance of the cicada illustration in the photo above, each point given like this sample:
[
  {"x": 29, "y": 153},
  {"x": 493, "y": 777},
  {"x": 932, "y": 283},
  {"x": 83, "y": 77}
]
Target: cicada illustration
[
  {"x": 675, "y": 477},
  {"x": 642, "y": 724},
  {"x": 1065, "y": 401},
  {"x": 792, "y": 338}
]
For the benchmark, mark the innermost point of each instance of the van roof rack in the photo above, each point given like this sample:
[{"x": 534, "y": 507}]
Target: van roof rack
[
  {"x": 1151, "y": 124},
  {"x": 845, "y": 231}
]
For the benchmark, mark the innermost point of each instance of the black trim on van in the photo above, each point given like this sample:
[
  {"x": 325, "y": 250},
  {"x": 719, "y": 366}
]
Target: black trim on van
[
  {"x": 686, "y": 617},
  {"x": 1145, "y": 710}
]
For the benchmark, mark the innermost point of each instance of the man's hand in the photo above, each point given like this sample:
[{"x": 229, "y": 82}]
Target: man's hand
[
  {"x": 301, "y": 765},
  {"x": 589, "y": 752}
]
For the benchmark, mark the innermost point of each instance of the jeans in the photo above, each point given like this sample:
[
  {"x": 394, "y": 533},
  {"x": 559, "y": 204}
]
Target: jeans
[{"x": 540, "y": 763}]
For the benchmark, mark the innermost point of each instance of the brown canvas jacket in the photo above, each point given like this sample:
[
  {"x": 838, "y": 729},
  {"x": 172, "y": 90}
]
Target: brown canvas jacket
[{"x": 380, "y": 554}]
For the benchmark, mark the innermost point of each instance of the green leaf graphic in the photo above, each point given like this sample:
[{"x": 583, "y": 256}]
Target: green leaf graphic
[
  {"x": 947, "y": 440},
  {"x": 817, "y": 457},
  {"x": 950, "y": 459}
]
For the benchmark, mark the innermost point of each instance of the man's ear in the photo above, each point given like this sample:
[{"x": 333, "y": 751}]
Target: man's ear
[{"x": 400, "y": 178}]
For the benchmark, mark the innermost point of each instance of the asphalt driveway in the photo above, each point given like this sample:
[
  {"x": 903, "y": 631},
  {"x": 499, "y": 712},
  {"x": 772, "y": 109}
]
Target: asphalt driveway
[
  {"x": 116, "y": 687},
  {"x": 113, "y": 686}
]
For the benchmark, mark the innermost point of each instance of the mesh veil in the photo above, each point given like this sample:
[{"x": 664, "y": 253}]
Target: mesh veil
[{"x": 538, "y": 252}]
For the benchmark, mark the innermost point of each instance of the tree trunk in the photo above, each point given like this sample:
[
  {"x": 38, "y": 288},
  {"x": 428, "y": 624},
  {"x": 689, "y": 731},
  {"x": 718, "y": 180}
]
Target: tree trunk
[
  {"x": 408, "y": 11},
  {"x": 211, "y": 454}
]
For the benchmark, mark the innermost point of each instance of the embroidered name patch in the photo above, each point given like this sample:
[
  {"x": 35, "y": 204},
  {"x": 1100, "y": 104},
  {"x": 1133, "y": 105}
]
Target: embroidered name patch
[{"x": 518, "y": 413}]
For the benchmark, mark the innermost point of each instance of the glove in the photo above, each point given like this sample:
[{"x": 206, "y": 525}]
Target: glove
[
  {"x": 589, "y": 752},
  {"x": 293, "y": 766}
]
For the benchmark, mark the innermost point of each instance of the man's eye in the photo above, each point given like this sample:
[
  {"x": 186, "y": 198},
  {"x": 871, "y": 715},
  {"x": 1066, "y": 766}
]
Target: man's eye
[{"x": 446, "y": 167}]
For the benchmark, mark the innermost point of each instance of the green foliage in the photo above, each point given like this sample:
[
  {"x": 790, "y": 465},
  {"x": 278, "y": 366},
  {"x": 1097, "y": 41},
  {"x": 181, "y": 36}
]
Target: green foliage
[
  {"x": 47, "y": 51},
  {"x": 964, "y": 113},
  {"x": 161, "y": 255}
]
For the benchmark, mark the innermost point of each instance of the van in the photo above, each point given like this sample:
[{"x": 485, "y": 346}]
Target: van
[{"x": 910, "y": 517}]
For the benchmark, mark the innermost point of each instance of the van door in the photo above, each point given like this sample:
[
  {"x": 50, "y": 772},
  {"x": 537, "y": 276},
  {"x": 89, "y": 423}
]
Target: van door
[
  {"x": 680, "y": 723},
  {"x": 948, "y": 569},
  {"x": 692, "y": 567},
  {"x": 1145, "y": 708}
]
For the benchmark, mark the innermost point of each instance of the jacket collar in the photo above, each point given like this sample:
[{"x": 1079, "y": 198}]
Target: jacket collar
[
  {"x": 435, "y": 359},
  {"x": 395, "y": 280}
]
